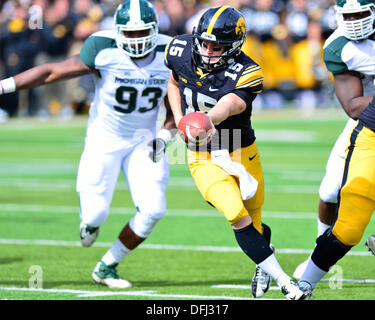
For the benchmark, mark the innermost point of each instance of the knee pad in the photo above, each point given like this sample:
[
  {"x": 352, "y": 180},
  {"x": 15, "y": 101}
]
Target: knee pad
[
  {"x": 328, "y": 250},
  {"x": 142, "y": 223},
  {"x": 94, "y": 208}
]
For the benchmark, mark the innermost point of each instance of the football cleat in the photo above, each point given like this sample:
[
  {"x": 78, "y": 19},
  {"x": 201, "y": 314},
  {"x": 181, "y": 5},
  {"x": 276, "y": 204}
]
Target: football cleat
[
  {"x": 300, "y": 270},
  {"x": 370, "y": 243},
  {"x": 107, "y": 275},
  {"x": 88, "y": 234},
  {"x": 260, "y": 283},
  {"x": 306, "y": 288},
  {"x": 291, "y": 291}
]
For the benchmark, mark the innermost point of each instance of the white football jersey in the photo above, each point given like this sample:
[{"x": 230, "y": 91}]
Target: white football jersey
[
  {"x": 127, "y": 97},
  {"x": 341, "y": 54}
]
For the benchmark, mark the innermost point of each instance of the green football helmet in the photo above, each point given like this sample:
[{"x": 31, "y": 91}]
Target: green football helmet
[
  {"x": 355, "y": 18},
  {"x": 136, "y": 16}
]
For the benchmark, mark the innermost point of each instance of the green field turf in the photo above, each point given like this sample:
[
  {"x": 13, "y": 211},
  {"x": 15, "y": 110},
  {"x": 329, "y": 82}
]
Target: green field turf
[{"x": 192, "y": 253}]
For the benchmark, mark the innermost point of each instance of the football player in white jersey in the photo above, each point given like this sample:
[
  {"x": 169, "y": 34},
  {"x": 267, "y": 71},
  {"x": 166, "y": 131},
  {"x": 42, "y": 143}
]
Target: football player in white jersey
[
  {"x": 349, "y": 54},
  {"x": 131, "y": 85}
]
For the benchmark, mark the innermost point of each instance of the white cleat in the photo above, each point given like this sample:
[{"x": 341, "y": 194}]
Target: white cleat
[
  {"x": 88, "y": 234},
  {"x": 291, "y": 291},
  {"x": 260, "y": 283},
  {"x": 300, "y": 270},
  {"x": 307, "y": 289},
  {"x": 107, "y": 275},
  {"x": 370, "y": 243}
]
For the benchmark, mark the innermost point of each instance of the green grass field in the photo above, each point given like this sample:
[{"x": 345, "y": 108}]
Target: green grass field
[{"x": 192, "y": 254}]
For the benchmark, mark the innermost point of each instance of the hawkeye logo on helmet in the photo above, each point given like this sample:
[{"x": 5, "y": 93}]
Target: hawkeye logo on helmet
[
  {"x": 241, "y": 26},
  {"x": 208, "y": 37}
]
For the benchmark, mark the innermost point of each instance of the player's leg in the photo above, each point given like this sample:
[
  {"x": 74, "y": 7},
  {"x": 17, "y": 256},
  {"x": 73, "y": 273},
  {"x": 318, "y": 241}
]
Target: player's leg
[
  {"x": 356, "y": 203},
  {"x": 222, "y": 191},
  {"x": 97, "y": 176},
  {"x": 147, "y": 182},
  {"x": 329, "y": 188}
]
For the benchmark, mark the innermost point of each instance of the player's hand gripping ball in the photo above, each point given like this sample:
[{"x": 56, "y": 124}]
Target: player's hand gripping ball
[{"x": 196, "y": 128}]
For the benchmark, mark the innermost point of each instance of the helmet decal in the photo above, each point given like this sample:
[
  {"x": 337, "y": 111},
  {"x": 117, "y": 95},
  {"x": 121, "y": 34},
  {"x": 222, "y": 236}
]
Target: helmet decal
[
  {"x": 214, "y": 18},
  {"x": 241, "y": 26}
]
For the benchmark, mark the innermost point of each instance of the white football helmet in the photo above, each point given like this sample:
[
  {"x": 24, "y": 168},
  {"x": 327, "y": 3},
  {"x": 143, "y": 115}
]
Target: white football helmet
[
  {"x": 136, "y": 16},
  {"x": 356, "y": 28}
]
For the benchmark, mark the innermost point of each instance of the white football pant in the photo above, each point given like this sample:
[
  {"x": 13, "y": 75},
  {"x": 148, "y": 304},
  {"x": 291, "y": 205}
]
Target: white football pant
[
  {"x": 99, "y": 168},
  {"x": 331, "y": 183}
]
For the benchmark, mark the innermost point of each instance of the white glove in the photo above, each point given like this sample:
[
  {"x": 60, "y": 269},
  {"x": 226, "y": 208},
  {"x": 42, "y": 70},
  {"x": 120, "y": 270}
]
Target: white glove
[
  {"x": 158, "y": 149},
  {"x": 159, "y": 144}
]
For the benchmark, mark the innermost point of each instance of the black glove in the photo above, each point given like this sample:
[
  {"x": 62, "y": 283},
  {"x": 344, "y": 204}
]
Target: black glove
[{"x": 158, "y": 149}]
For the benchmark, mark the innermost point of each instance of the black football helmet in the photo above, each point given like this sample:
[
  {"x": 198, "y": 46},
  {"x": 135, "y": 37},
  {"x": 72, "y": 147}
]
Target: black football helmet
[{"x": 224, "y": 26}]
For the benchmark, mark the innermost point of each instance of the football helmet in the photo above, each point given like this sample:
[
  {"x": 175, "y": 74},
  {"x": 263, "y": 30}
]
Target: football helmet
[
  {"x": 136, "y": 16},
  {"x": 361, "y": 25},
  {"x": 221, "y": 25}
]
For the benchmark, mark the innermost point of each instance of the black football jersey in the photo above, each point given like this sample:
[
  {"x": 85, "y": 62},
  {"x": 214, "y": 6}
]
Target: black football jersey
[{"x": 201, "y": 90}]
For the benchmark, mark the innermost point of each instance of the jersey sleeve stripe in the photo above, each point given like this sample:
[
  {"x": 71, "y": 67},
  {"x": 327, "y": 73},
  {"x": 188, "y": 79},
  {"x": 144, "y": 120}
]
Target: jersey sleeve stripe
[
  {"x": 249, "y": 77},
  {"x": 166, "y": 50},
  {"x": 251, "y": 84},
  {"x": 253, "y": 68},
  {"x": 214, "y": 18}
]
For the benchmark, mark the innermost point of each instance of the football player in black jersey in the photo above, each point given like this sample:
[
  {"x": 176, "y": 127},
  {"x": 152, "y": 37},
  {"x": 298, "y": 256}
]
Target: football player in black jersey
[{"x": 210, "y": 73}]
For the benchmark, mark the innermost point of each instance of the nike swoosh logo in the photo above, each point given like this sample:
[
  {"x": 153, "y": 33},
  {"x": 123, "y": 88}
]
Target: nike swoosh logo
[
  {"x": 154, "y": 75},
  {"x": 212, "y": 89},
  {"x": 251, "y": 158}
]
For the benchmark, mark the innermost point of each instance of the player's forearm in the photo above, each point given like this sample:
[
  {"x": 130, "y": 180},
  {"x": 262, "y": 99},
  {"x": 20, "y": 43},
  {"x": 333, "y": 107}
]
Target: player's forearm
[
  {"x": 47, "y": 73},
  {"x": 227, "y": 106},
  {"x": 35, "y": 77},
  {"x": 355, "y": 106}
]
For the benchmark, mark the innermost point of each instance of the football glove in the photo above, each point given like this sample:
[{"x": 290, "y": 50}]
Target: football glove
[
  {"x": 158, "y": 149},
  {"x": 159, "y": 144}
]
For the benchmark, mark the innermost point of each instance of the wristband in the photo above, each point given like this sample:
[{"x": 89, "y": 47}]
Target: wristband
[
  {"x": 165, "y": 134},
  {"x": 7, "y": 85}
]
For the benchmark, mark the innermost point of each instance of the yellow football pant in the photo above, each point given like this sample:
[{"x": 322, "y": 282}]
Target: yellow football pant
[
  {"x": 222, "y": 190},
  {"x": 356, "y": 201}
]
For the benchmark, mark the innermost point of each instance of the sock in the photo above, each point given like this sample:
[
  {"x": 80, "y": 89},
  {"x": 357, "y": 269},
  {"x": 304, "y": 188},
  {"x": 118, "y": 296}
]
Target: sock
[
  {"x": 313, "y": 274},
  {"x": 116, "y": 253},
  {"x": 322, "y": 227},
  {"x": 253, "y": 243},
  {"x": 273, "y": 268}
]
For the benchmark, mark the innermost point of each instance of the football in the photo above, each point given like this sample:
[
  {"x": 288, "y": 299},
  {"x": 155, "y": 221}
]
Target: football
[{"x": 195, "y": 128}]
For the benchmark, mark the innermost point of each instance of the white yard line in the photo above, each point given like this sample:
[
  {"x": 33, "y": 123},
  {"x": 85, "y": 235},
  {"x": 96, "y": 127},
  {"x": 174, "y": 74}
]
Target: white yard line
[
  {"x": 170, "y": 212},
  {"x": 162, "y": 247},
  {"x": 148, "y": 293},
  {"x": 173, "y": 184}
]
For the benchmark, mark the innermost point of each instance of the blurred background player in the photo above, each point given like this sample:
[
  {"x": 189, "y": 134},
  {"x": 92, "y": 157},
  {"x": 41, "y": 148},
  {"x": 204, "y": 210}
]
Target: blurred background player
[
  {"x": 210, "y": 73},
  {"x": 349, "y": 55},
  {"x": 131, "y": 85}
]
